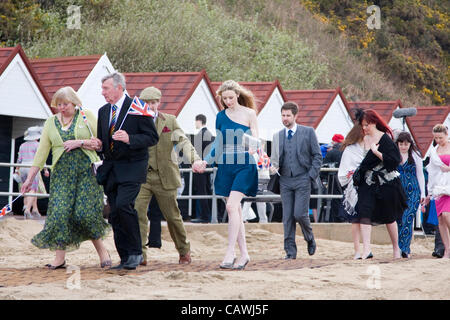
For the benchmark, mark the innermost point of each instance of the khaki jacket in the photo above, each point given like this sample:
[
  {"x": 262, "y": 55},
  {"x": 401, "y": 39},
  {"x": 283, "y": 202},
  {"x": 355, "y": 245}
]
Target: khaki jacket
[{"x": 172, "y": 148}]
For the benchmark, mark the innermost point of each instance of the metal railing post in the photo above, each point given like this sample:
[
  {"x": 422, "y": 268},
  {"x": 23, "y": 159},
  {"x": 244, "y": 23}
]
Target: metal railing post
[
  {"x": 214, "y": 200},
  {"x": 190, "y": 194}
]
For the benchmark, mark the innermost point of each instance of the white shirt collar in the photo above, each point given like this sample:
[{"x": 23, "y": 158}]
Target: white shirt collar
[
  {"x": 294, "y": 129},
  {"x": 119, "y": 103}
]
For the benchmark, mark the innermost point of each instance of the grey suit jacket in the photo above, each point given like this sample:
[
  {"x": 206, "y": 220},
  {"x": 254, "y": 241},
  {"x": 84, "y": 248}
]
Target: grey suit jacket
[{"x": 308, "y": 150}]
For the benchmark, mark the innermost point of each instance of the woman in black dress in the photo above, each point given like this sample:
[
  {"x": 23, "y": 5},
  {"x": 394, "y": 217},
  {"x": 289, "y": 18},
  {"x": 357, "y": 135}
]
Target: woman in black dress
[{"x": 381, "y": 198}]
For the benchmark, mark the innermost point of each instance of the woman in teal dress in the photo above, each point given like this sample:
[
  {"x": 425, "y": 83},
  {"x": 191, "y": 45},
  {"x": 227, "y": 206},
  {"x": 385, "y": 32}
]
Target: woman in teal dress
[
  {"x": 75, "y": 207},
  {"x": 413, "y": 182},
  {"x": 237, "y": 174}
]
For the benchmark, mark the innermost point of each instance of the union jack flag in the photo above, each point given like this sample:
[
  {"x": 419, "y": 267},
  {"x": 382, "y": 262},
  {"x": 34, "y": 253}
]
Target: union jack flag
[
  {"x": 140, "y": 108},
  {"x": 6, "y": 209},
  {"x": 263, "y": 159}
]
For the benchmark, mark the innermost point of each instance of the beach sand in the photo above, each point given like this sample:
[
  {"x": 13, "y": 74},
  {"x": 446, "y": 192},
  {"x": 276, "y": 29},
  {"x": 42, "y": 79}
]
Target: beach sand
[{"x": 329, "y": 274}]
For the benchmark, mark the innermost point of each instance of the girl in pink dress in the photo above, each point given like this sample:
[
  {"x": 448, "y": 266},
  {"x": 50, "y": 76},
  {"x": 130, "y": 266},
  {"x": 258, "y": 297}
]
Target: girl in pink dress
[{"x": 439, "y": 182}]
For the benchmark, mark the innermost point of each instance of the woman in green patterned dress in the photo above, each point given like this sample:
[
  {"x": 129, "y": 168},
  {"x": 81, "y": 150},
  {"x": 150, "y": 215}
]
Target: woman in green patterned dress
[{"x": 75, "y": 207}]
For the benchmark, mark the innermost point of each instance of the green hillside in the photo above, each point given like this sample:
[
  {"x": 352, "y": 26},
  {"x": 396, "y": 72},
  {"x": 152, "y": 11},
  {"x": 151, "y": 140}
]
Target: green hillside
[{"x": 304, "y": 44}]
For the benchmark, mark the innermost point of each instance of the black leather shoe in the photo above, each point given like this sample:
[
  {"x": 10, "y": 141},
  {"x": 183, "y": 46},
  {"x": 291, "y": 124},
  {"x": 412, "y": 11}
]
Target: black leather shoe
[
  {"x": 52, "y": 267},
  {"x": 118, "y": 267},
  {"x": 437, "y": 254},
  {"x": 133, "y": 261},
  {"x": 289, "y": 257},
  {"x": 311, "y": 247},
  {"x": 153, "y": 245}
]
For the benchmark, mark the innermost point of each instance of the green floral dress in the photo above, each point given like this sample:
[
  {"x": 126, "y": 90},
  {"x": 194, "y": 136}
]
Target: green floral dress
[{"x": 75, "y": 207}]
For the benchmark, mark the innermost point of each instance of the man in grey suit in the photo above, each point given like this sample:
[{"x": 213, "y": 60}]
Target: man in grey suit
[{"x": 297, "y": 158}]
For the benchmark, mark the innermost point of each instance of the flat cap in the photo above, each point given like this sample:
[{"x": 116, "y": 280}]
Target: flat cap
[{"x": 150, "y": 93}]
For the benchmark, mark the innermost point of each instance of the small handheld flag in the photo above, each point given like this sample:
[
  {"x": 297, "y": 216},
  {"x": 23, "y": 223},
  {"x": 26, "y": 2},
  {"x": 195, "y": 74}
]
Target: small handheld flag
[
  {"x": 85, "y": 120},
  {"x": 7, "y": 209},
  {"x": 138, "y": 108}
]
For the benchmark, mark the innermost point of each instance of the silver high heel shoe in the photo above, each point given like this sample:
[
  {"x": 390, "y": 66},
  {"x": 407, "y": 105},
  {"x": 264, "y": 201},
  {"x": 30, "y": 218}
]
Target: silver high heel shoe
[
  {"x": 227, "y": 265},
  {"x": 241, "y": 266}
]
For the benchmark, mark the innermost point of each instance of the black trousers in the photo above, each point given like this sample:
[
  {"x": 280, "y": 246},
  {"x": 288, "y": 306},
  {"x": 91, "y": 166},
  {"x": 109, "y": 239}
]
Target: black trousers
[
  {"x": 124, "y": 219},
  {"x": 201, "y": 185},
  {"x": 155, "y": 216},
  {"x": 438, "y": 244}
]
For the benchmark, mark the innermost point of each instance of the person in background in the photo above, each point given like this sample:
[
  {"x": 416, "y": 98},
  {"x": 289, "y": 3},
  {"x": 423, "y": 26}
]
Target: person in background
[
  {"x": 332, "y": 160},
  {"x": 237, "y": 174},
  {"x": 263, "y": 162},
  {"x": 413, "y": 182},
  {"x": 201, "y": 182},
  {"x": 27, "y": 151},
  {"x": 381, "y": 198},
  {"x": 353, "y": 154},
  {"x": 75, "y": 207},
  {"x": 439, "y": 182}
]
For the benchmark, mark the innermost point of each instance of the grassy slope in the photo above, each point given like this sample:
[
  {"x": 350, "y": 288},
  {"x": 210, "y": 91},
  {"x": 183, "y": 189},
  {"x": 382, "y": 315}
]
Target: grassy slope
[{"x": 243, "y": 40}]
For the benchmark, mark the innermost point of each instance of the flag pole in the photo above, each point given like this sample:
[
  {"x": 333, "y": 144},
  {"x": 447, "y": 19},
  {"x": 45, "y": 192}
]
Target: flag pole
[{"x": 85, "y": 120}]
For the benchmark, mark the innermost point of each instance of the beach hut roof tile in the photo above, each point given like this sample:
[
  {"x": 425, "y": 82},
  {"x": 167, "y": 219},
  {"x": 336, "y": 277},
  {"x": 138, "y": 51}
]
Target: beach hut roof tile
[{"x": 55, "y": 73}]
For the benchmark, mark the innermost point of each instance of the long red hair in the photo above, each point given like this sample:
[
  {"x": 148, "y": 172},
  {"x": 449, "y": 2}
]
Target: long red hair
[{"x": 371, "y": 116}]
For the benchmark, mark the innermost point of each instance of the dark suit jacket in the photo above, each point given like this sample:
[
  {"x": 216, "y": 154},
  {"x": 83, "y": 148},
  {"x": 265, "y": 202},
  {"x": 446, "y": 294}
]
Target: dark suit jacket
[
  {"x": 127, "y": 162},
  {"x": 201, "y": 141}
]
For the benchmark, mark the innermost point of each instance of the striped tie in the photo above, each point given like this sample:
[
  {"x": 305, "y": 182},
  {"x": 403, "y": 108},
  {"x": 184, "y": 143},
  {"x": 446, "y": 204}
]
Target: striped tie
[{"x": 113, "y": 124}]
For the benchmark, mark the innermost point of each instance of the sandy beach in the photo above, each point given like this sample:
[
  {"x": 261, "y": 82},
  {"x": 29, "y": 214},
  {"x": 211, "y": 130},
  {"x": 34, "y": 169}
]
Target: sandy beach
[{"x": 329, "y": 274}]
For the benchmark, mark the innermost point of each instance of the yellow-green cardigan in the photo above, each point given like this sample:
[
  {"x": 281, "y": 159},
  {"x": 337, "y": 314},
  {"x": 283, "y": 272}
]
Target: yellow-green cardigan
[{"x": 51, "y": 140}]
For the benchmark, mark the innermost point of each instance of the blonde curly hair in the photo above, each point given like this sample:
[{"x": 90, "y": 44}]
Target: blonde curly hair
[{"x": 245, "y": 96}]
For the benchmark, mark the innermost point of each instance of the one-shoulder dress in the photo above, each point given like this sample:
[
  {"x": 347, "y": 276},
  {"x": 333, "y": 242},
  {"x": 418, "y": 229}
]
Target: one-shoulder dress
[{"x": 236, "y": 168}]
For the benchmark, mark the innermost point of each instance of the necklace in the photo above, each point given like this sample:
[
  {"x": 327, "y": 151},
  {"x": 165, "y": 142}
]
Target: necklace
[{"x": 65, "y": 124}]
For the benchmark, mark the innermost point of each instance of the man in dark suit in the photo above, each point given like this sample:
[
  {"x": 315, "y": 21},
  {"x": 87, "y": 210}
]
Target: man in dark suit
[
  {"x": 297, "y": 157},
  {"x": 201, "y": 182},
  {"x": 123, "y": 141}
]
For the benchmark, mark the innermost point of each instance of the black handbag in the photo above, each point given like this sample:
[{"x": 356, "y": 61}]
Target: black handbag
[{"x": 274, "y": 184}]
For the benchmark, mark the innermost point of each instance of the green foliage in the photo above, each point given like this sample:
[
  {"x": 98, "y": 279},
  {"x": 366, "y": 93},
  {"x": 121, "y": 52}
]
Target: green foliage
[
  {"x": 178, "y": 35},
  {"x": 23, "y": 21},
  {"x": 412, "y": 45}
]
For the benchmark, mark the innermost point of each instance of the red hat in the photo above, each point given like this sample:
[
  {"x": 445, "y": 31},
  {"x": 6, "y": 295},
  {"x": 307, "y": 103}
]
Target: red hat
[{"x": 338, "y": 138}]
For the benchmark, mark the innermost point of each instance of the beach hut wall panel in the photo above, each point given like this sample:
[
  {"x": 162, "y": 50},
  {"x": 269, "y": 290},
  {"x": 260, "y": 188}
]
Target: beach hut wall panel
[
  {"x": 269, "y": 118},
  {"x": 336, "y": 120},
  {"x": 20, "y": 94},
  {"x": 82, "y": 73},
  {"x": 24, "y": 103},
  {"x": 200, "y": 102},
  {"x": 91, "y": 90},
  {"x": 326, "y": 110}
]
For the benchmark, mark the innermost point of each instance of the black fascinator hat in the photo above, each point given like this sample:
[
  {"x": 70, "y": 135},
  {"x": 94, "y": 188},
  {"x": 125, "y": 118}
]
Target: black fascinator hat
[{"x": 358, "y": 114}]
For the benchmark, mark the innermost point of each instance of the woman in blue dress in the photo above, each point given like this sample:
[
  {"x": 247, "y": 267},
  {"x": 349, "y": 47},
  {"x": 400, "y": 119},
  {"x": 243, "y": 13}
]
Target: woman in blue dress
[
  {"x": 413, "y": 182},
  {"x": 237, "y": 174}
]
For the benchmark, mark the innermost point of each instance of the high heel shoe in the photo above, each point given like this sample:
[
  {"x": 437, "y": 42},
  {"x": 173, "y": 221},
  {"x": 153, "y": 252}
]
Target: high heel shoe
[
  {"x": 241, "y": 266},
  {"x": 52, "y": 267},
  {"x": 225, "y": 265},
  {"x": 36, "y": 215},
  {"x": 26, "y": 213},
  {"x": 369, "y": 256}
]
